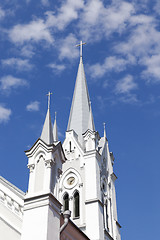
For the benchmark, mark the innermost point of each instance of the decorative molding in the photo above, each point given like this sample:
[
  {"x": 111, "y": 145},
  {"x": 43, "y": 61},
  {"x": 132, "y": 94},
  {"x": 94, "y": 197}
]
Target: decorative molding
[
  {"x": 49, "y": 163},
  {"x": 11, "y": 204}
]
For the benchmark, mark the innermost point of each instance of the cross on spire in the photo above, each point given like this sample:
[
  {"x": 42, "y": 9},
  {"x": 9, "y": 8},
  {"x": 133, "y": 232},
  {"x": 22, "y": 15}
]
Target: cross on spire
[
  {"x": 80, "y": 45},
  {"x": 49, "y": 98}
]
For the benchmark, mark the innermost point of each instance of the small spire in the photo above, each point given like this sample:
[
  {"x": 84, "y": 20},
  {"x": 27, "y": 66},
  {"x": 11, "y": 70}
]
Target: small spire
[
  {"x": 49, "y": 99},
  {"x": 47, "y": 131},
  {"x": 55, "y": 131},
  {"x": 80, "y": 45},
  {"x": 104, "y": 125},
  {"x": 91, "y": 121}
]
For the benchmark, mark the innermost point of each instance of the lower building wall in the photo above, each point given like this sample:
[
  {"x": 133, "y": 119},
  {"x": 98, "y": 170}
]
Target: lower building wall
[{"x": 7, "y": 232}]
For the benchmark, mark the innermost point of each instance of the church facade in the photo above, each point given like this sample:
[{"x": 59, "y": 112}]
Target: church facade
[{"x": 71, "y": 190}]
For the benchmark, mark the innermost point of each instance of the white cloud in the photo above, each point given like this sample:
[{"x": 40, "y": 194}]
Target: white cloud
[
  {"x": 143, "y": 44},
  {"x": 99, "y": 20},
  {"x": 2, "y": 13},
  {"x": 125, "y": 85},
  {"x": 19, "y": 64},
  {"x": 5, "y": 114},
  {"x": 143, "y": 40},
  {"x": 40, "y": 29},
  {"x": 8, "y": 82},
  {"x": 45, "y": 2},
  {"x": 67, "y": 47},
  {"x": 27, "y": 51},
  {"x": 129, "y": 98},
  {"x": 111, "y": 63},
  {"x": 157, "y": 7},
  {"x": 152, "y": 72},
  {"x": 33, "y": 106},
  {"x": 57, "y": 67},
  {"x": 34, "y": 31},
  {"x": 66, "y": 14}
]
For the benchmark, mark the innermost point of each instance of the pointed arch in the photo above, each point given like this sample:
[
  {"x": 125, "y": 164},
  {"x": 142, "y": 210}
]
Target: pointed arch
[
  {"x": 76, "y": 200},
  {"x": 66, "y": 202}
]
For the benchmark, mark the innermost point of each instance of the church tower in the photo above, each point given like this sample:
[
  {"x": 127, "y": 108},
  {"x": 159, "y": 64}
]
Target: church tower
[
  {"x": 87, "y": 185},
  {"x": 42, "y": 210}
]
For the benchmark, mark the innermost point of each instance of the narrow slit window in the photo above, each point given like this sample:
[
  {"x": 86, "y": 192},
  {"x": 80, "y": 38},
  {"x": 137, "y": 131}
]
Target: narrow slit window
[
  {"x": 66, "y": 202},
  {"x": 106, "y": 205},
  {"x": 70, "y": 147},
  {"x": 76, "y": 205}
]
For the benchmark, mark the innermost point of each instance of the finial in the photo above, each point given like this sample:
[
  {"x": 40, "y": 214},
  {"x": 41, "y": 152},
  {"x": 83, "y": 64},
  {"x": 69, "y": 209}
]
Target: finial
[
  {"x": 80, "y": 45},
  {"x": 49, "y": 98},
  {"x": 55, "y": 114}
]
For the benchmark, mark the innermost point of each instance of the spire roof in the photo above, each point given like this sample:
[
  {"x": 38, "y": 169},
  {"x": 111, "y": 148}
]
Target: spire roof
[
  {"x": 105, "y": 137},
  {"x": 47, "y": 131},
  {"x": 80, "y": 110},
  {"x": 55, "y": 131}
]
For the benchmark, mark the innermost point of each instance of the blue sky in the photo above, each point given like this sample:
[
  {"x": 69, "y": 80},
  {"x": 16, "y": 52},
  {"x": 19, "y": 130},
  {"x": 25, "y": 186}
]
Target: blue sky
[{"x": 122, "y": 65}]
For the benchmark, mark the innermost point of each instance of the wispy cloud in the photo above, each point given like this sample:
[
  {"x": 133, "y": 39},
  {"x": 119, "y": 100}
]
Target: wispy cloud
[
  {"x": 45, "y": 2},
  {"x": 17, "y": 63},
  {"x": 2, "y": 13},
  {"x": 152, "y": 72},
  {"x": 27, "y": 51},
  {"x": 67, "y": 12},
  {"x": 33, "y": 106},
  {"x": 5, "y": 114},
  {"x": 143, "y": 44},
  {"x": 34, "y": 31},
  {"x": 157, "y": 7},
  {"x": 125, "y": 85},
  {"x": 67, "y": 49},
  {"x": 111, "y": 63},
  {"x": 42, "y": 29},
  {"x": 9, "y": 82},
  {"x": 99, "y": 20},
  {"x": 57, "y": 68}
]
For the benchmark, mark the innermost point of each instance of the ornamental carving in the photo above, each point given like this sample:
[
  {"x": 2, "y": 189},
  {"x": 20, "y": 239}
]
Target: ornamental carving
[
  {"x": 49, "y": 163},
  {"x": 31, "y": 167}
]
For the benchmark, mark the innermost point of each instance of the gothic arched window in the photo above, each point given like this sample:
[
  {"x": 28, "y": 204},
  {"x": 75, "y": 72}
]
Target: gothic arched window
[
  {"x": 66, "y": 202},
  {"x": 76, "y": 204}
]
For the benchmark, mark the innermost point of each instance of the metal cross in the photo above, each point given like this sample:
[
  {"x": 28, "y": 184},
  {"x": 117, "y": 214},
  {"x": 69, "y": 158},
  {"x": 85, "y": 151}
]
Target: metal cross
[
  {"x": 80, "y": 45},
  {"x": 49, "y": 98}
]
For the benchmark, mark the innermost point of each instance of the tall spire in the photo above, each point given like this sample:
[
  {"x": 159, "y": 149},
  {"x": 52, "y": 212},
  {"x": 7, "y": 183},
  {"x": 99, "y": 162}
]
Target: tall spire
[
  {"x": 47, "y": 131},
  {"x": 55, "y": 131},
  {"x": 80, "y": 108}
]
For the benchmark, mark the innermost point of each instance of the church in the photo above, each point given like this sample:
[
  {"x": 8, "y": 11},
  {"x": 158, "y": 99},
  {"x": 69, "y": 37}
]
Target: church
[{"x": 71, "y": 191}]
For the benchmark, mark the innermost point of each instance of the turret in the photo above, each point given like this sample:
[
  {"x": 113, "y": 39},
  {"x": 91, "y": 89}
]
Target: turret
[{"x": 45, "y": 160}]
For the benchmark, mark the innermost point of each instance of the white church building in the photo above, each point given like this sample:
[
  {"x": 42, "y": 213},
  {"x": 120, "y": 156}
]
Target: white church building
[{"x": 71, "y": 190}]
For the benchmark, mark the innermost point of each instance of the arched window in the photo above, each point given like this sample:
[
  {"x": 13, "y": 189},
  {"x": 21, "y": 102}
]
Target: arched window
[
  {"x": 66, "y": 202},
  {"x": 76, "y": 204}
]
